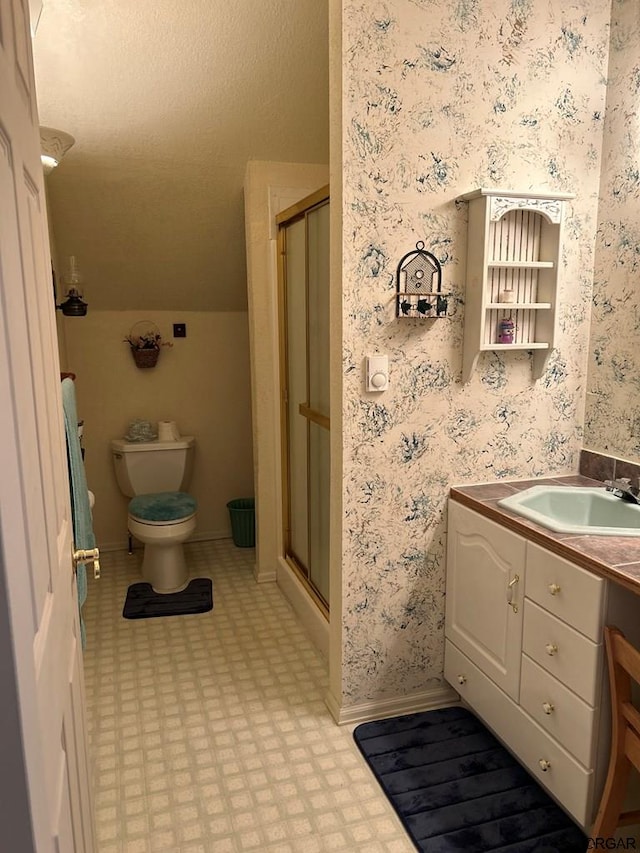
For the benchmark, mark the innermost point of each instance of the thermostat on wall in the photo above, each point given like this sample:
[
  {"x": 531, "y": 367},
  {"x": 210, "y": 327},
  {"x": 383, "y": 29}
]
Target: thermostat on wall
[{"x": 377, "y": 372}]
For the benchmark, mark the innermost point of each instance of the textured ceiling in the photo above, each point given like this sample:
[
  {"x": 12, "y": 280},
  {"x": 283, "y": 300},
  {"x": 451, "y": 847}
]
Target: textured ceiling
[{"x": 167, "y": 101}]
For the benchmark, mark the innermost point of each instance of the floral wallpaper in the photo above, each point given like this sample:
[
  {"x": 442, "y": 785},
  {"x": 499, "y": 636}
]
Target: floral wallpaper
[
  {"x": 441, "y": 97},
  {"x": 612, "y": 420}
]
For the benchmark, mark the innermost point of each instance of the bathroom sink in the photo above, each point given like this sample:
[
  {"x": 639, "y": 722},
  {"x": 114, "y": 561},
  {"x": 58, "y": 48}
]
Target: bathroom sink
[{"x": 569, "y": 509}]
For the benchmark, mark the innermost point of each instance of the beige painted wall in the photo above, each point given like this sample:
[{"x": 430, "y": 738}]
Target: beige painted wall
[
  {"x": 202, "y": 383},
  {"x": 152, "y": 188}
]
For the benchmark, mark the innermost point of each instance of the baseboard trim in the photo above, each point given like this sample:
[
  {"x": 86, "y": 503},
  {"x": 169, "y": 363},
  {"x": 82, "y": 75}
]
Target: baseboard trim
[
  {"x": 114, "y": 546},
  {"x": 198, "y": 537},
  {"x": 437, "y": 697},
  {"x": 211, "y": 534},
  {"x": 308, "y": 613},
  {"x": 266, "y": 577}
]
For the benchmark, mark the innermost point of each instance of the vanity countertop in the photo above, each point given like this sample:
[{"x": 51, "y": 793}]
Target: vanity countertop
[{"x": 614, "y": 557}]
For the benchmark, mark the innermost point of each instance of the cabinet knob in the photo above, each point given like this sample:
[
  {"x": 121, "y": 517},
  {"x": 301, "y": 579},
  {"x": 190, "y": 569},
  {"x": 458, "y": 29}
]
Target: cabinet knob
[
  {"x": 552, "y": 649},
  {"x": 548, "y": 707},
  {"x": 462, "y": 679},
  {"x": 554, "y": 588},
  {"x": 544, "y": 765}
]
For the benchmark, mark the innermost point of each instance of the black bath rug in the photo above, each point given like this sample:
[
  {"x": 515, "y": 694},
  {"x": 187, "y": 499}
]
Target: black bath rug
[
  {"x": 143, "y": 603},
  {"x": 456, "y": 788}
]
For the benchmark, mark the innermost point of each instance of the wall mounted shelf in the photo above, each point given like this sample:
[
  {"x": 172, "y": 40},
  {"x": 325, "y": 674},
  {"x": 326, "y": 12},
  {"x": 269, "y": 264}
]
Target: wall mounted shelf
[
  {"x": 522, "y": 265},
  {"x": 527, "y": 306},
  {"x": 513, "y": 254}
]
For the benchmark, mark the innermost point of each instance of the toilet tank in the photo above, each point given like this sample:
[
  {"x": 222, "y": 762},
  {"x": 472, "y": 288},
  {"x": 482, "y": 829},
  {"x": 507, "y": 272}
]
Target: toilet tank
[{"x": 146, "y": 467}]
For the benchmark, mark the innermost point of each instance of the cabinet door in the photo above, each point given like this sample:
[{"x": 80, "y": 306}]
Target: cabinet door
[{"x": 485, "y": 588}]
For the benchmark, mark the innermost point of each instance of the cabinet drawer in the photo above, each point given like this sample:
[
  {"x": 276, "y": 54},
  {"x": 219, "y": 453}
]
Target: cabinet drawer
[
  {"x": 559, "y": 711},
  {"x": 477, "y": 690},
  {"x": 572, "y": 594},
  {"x": 564, "y": 778},
  {"x": 569, "y": 656}
]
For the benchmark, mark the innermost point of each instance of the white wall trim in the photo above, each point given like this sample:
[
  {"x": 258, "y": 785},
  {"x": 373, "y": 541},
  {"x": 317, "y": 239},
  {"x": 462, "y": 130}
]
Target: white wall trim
[
  {"x": 311, "y": 618},
  {"x": 121, "y": 544},
  {"x": 265, "y": 577},
  {"x": 206, "y": 535},
  {"x": 437, "y": 697}
]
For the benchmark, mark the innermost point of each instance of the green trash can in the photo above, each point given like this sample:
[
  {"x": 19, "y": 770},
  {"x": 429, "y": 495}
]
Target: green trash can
[{"x": 242, "y": 513}]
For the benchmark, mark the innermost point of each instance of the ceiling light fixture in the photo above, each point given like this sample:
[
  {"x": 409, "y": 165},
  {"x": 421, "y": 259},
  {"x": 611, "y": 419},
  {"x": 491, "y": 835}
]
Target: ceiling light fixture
[{"x": 54, "y": 144}]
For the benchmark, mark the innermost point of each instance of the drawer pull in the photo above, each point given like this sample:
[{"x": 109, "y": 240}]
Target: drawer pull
[
  {"x": 510, "y": 587},
  {"x": 554, "y": 588},
  {"x": 462, "y": 679},
  {"x": 544, "y": 765},
  {"x": 548, "y": 707},
  {"x": 552, "y": 649}
]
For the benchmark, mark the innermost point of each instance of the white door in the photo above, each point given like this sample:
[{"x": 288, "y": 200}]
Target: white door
[
  {"x": 45, "y": 802},
  {"x": 485, "y": 589}
]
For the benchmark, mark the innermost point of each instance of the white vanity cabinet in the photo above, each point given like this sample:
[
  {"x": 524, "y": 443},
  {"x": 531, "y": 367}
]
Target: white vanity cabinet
[{"x": 527, "y": 656}]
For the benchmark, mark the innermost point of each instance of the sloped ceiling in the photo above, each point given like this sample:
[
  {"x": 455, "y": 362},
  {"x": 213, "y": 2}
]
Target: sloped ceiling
[{"x": 167, "y": 102}]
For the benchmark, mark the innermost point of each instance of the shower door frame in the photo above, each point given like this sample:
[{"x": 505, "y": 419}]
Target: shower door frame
[{"x": 295, "y": 213}]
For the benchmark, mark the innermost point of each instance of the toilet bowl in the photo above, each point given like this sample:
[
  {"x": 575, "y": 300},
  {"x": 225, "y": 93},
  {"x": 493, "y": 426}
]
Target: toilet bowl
[
  {"x": 160, "y": 515},
  {"x": 162, "y": 522}
]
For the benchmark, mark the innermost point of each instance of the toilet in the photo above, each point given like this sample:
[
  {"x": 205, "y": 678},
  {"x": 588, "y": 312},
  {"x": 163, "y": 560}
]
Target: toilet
[{"x": 162, "y": 515}]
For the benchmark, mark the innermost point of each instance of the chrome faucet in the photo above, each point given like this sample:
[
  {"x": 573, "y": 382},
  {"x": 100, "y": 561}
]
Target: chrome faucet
[{"x": 622, "y": 488}]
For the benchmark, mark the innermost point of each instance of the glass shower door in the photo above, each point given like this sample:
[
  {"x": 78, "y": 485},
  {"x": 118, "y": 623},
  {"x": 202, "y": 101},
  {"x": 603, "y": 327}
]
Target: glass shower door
[{"x": 304, "y": 275}]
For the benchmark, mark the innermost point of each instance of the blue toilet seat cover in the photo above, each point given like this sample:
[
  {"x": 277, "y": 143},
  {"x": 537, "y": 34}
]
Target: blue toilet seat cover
[{"x": 163, "y": 506}]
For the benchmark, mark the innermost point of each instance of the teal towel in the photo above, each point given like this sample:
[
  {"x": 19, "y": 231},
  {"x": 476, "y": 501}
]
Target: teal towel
[{"x": 81, "y": 511}]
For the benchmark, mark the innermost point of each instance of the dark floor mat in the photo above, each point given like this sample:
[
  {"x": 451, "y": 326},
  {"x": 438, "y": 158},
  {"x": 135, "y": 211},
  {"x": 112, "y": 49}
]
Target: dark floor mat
[
  {"x": 143, "y": 603},
  {"x": 456, "y": 788}
]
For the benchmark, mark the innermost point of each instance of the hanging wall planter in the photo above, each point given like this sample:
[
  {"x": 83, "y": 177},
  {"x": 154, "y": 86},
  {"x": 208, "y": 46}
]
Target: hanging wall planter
[
  {"x": 144, "y": 340},
  {"x": 145, "y": 357}
]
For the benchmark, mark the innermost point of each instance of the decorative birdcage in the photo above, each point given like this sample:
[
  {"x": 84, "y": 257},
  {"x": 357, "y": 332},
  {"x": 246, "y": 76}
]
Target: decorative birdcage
[{"x": 419, "y": 285}]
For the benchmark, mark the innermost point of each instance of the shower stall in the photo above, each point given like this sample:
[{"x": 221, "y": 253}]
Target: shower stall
[
  {"x": 287, "y": 239},
  {"x": 303, "y": 284}
]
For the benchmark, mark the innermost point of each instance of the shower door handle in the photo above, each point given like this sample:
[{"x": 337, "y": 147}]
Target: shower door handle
[{"x": 313, "y": 415}]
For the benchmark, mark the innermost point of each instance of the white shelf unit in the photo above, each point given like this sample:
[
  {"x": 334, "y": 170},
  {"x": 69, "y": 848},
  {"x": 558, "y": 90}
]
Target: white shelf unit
[{"x": 514, "y": 244}]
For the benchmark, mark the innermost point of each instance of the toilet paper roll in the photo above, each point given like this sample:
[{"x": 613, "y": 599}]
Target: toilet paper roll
[{"x": 168, "y": 431}]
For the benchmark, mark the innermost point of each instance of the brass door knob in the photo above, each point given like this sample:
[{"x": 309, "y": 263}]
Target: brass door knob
[{"x": 89, "y": 555}]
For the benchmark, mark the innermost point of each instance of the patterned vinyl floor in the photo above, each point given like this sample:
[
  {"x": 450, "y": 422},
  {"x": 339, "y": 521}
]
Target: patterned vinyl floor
[{"x": 209, "y": 733}]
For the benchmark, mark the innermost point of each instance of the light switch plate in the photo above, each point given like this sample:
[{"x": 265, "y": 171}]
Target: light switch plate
[{"x": 377, "y": 373}]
